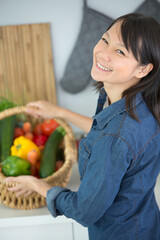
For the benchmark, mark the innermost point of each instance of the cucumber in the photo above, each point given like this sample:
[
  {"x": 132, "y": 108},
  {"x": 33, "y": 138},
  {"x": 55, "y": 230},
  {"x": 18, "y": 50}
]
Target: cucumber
[
  {"x": 7, "y": 126},
  {"x": 48, "y": 159}
]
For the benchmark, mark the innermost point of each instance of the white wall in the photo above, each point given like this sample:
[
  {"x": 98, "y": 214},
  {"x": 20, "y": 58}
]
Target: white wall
[{"x": 65, "y": 17}]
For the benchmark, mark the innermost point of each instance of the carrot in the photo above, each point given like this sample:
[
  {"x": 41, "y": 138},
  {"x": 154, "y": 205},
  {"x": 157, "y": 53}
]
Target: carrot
[
  {"x": 41, "y": 148},
  {"x": 29, "y": 135},
  {"x": 32, "y": 156},
  {"x": 33, "y": 170},
  {"x": 26, "y": 127}
]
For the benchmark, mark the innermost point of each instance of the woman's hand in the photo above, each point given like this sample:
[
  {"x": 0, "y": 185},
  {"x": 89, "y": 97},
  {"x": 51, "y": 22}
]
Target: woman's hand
[
  {"x": 43, "y": 109},
  {"x": 28, "y": 184}
]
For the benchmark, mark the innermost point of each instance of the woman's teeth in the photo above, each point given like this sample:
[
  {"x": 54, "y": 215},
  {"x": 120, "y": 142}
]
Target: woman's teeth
[{"x": 103, "y": 68}]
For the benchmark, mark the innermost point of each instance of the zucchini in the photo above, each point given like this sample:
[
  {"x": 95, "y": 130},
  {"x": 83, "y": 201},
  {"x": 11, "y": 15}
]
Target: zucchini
[
  {"x": 7, "y": 126},
  {"x": 48, "y": 159}
]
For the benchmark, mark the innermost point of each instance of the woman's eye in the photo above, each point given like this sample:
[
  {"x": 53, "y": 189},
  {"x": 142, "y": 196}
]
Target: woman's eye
[
  {"x": 119, "y": 51},
  {"x": 104, "y": 40}
]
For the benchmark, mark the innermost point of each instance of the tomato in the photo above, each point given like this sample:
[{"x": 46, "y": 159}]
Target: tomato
[
  {"x": 38, "y": 129},
  {"x": 48, "y": 126},
  {"x": 18, "y": 132}
]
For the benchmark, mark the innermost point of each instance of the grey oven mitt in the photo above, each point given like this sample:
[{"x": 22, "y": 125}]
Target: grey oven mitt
[
  {"x": 150, "y": 8},
  {"x": 77, "y": 71}
]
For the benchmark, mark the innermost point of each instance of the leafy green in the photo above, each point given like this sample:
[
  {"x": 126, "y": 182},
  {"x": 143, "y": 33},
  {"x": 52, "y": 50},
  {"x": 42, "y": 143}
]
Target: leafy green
[{"x": 5, "y": 104}]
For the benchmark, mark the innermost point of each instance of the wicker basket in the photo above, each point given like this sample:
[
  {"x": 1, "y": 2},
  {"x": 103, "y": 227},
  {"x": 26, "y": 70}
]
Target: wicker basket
[{"x": 59, "y": 178}]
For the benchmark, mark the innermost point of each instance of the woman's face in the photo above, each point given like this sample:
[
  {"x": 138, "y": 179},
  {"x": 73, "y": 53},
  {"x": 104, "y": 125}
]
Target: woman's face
[{"x": 112, "y": 63}]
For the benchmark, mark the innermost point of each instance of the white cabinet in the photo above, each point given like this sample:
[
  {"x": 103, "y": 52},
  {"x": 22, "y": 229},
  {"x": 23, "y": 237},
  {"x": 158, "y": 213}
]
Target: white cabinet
[
  {"x": 38, "y": 232},
  {"x": 80, "y": 232},
  {"x": 39, "y": 227}
]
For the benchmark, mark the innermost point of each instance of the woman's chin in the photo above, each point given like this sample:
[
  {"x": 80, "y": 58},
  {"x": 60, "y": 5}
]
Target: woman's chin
[
  {"x": 99, "y": 77},
  {"x": 95, "y": 76}
]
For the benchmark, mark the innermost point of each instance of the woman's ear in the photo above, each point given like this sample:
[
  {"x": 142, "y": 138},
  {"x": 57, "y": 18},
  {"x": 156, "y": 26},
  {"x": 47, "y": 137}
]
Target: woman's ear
[{"x": 144, "y": 70}]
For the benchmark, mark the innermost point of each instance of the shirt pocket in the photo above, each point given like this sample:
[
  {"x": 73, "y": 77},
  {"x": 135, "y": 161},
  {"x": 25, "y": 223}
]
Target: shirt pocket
[{"x": 84, "y": 155}]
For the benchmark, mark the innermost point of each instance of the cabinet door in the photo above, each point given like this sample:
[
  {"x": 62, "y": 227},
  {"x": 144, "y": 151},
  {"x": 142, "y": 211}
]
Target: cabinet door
[
  {"x": 59, "y": 231},
  {"x": 80, "y": 232}
]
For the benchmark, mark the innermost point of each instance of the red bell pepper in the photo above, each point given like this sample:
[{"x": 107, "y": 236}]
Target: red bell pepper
[{"x": 40, "y": 140}]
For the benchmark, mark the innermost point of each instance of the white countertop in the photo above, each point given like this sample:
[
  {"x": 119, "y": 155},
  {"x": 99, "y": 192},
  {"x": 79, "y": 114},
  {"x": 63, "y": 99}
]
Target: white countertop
[{"x": 15, "y": 217}]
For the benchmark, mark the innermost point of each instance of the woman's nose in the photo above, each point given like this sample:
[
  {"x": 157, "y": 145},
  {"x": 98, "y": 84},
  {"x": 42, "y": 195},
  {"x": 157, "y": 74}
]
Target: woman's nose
[
  {"x": 105, "y": 56},
  {"x": 106, "y": 53}
]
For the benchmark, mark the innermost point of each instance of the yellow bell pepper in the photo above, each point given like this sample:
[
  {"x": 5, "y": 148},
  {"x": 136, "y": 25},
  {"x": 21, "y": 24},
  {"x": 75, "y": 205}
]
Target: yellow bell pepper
[{"x": 22, "y": 146}]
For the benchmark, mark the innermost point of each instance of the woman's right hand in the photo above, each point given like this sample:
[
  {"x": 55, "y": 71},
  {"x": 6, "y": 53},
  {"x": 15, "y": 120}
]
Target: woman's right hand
[
  {"x": 43, "y": 109},
  {"x": 27, "y": 184}
]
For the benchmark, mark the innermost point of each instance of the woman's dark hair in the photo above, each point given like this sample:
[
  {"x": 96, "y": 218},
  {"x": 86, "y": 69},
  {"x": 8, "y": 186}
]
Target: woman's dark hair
[{"x": 141, "y": 35}]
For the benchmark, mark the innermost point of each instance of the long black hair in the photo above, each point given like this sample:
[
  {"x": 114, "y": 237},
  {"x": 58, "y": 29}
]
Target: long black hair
[{"x": 141, "y": 35}]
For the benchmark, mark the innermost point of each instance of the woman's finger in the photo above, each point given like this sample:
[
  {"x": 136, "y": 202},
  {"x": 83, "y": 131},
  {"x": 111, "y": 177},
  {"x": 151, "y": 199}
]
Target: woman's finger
[
  {"x": 15, "y": 188},
  {"x": 36, "y": 105},
  {"x": 33, "y": 104},
  {"x": 33, "y": 110},
  {"x": 10, "y": 179},
  {"x": 20, "y": 179},
  {"x": 20, "y": 192},
  {"x": 15, "y": 179},
  {"x": 28, "y": 193}
]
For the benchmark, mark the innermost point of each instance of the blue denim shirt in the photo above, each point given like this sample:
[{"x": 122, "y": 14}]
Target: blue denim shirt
[{"x": 119, "y": 162}]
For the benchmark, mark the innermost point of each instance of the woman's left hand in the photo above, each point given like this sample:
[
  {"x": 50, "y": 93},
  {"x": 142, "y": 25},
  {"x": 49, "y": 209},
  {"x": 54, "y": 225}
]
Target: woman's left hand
[{"x": 28, "y": 184}]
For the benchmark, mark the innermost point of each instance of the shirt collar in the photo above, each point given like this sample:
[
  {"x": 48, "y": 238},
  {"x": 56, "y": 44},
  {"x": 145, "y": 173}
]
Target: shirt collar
[{"x": 107, "y": 114}]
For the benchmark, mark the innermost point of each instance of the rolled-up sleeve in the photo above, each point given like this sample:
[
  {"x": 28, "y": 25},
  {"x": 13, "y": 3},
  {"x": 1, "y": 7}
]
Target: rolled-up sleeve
[
  {"x": 52, "y": 194},
  {"x": 110, "y": 157}
]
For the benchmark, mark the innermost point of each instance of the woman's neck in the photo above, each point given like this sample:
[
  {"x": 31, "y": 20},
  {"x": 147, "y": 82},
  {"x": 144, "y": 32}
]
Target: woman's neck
[{"x": 114, "y": 94}]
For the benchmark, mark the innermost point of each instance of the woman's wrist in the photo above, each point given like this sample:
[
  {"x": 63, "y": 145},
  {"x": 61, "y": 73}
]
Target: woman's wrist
[
  {"x": 61, "y": 112},
  {"x": 41, "y": 187}
]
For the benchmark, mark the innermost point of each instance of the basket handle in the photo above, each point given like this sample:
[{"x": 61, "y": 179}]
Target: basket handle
[{"x": 12, "y": 111}]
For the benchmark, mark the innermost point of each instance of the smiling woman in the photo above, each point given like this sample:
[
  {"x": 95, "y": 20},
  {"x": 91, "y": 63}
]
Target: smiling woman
[
  {"x": 119, "y": 159},
  {"x": 110, "y": 59},
  {"x": 133, "y": 42}
]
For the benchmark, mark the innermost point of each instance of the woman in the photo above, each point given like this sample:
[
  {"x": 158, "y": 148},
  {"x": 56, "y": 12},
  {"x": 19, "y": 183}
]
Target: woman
[{"x": 119, "y": 160}]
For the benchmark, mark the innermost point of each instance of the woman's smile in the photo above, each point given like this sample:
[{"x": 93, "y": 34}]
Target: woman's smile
[{"x": 103, "y": 68}]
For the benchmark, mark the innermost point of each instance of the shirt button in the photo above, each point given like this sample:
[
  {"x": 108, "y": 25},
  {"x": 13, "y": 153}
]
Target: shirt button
[{"x": 100, "y": 105}]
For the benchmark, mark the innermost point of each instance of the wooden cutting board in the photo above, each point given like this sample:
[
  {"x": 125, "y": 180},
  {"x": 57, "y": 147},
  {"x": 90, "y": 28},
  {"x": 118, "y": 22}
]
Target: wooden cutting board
[{"x": 26, "y": 64}]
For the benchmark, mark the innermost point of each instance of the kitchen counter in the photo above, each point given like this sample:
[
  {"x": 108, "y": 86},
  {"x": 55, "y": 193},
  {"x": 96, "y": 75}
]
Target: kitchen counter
[{"x": 40, "y": 224}]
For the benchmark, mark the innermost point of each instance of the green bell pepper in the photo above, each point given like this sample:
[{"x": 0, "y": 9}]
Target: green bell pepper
[{"x": 15, "y": 166}]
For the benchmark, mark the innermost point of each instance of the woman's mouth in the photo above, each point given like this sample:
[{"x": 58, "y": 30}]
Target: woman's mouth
[{"x": 102, "y": 67}]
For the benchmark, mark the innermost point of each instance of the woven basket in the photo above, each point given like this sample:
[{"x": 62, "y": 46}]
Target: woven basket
[{"x": 59, "y": 178}]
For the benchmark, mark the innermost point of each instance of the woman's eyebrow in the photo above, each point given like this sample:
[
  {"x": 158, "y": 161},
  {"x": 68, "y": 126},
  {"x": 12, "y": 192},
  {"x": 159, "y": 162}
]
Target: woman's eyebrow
[
  {"x": 107, "y": 34},
  {"x": 120, "y": 44}
]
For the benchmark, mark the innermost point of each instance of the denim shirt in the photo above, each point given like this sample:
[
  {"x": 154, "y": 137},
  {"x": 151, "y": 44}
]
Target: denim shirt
[{"x": 119, "y": 161}]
